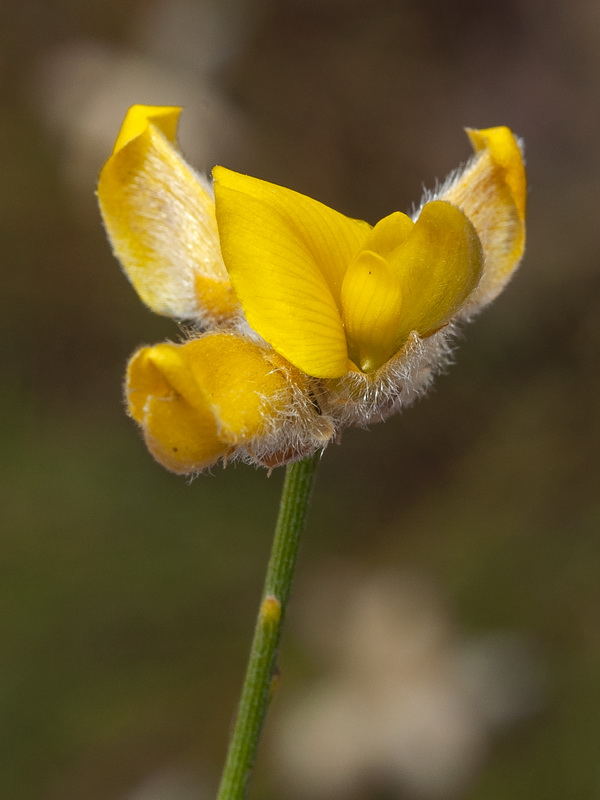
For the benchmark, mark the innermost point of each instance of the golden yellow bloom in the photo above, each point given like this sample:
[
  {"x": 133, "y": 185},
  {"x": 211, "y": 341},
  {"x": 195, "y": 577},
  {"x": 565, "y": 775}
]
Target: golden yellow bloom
[{"x": 326, "y": 321}]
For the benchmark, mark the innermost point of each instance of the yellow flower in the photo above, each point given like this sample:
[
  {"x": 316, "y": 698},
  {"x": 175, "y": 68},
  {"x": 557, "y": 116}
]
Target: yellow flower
[{"x": 315, "y": 321}]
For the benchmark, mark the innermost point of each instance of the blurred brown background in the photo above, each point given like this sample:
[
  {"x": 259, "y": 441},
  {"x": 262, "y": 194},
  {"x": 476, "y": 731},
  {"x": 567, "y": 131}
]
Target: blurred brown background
[{"x": 443, "y": 640}]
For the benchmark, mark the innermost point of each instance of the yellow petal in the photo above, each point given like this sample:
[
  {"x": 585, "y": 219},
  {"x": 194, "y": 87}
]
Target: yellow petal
[
  {"x": 197, "y": 402},
  {"x": 161, "y": 222},
  {"x": 181, "y": 436},
  {"x": 438, "y": 266},
  {"x": 371, "y": 301},
  {"x": 286, "y": 255},
  {"x": 239, "y": 382},
  {"x": 505, "y": 152},
  {"x": 389, "y": 233},
  {"x": 161, "y": 371},
  {"x": 144, "y": 380},
  {"x": 491, "y": 191}
]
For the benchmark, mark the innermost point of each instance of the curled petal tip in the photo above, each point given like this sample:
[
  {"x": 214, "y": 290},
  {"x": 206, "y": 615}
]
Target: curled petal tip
[
  {"x": 139, "y": 117},
  {"x": 506, "y": 151}
]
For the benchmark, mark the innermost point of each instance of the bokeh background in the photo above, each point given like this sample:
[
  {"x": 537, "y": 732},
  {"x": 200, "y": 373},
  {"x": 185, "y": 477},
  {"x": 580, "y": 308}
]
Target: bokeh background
[{"x": 444, "y": 638}]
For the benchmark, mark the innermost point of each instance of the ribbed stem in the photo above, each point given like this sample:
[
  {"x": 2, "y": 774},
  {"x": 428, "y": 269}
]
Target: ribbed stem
[{"x": 256, "y": 691}]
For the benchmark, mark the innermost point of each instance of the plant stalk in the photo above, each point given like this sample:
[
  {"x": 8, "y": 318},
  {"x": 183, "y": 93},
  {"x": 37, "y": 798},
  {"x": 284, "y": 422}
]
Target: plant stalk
[{"x": 262, "y": 663}]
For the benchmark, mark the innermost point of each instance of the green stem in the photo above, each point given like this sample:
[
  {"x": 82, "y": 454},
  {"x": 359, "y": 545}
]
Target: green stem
[{"x": 256, "y": 692}]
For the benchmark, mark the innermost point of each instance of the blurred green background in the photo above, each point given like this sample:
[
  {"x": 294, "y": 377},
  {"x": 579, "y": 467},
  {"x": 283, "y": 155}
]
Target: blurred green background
[{"x": 127, "y": 594}]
